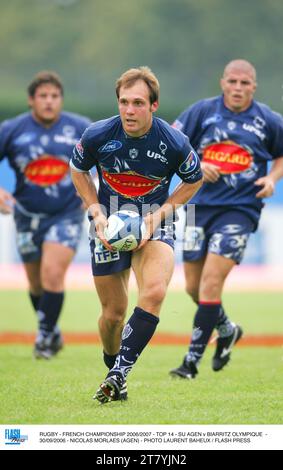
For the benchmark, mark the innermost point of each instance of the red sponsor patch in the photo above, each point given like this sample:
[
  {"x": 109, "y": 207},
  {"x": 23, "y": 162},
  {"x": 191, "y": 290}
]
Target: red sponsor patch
[
  {"x": 228, "y": 156},
  {"x": 47, "y": 170},
  {"x": 130, "y": 184}
]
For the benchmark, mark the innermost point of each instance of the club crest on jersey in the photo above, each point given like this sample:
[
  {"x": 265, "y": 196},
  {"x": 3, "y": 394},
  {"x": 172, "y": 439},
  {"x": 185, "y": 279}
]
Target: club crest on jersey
[
  {"x": 133, "y": 153},
  {"x": 110, "y": 146},
  {"x": 228, "y": 156},
  {"x": 44, "y": 139},
  {"x": 46, "y": 170},
  {"x": 130, "y": 184}
]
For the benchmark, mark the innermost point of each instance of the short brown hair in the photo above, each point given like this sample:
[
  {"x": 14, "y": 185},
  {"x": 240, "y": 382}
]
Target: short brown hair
[
  {"x": 43, "y": 77},
  {"x": 131, "y": 76}
]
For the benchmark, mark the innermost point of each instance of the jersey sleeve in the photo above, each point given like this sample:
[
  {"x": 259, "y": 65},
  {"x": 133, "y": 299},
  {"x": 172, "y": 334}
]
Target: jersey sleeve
[
  {"x": 189, "y": 169},
  {"x": 4, "y": 136},
  {"x": 276, "y": 142},
  {"x": 189, "y": 121},
  {"x": 83, "y": 158}
]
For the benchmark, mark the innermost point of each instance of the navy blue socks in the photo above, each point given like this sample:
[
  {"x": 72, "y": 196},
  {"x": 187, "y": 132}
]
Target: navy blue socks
[
  {"x": 34, "y": 300},
  {"x": 136, "y": 335},
  {"x": 224, "y": 325},
  {"x": 49, "y": 308},
  {"x": 109, "y": 360},
  {"x": 204, "y": 323}
]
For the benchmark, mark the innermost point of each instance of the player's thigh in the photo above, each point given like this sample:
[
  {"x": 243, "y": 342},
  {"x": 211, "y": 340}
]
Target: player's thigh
[
  {"x": 112, "y": 290},
  {"x": 153, "y": 264}
]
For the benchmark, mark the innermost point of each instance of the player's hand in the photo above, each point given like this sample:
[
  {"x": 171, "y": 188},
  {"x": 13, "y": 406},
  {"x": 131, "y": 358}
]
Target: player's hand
[
  {"x": 100, "y": 225},
  {"x": 7, "y": 202},
  {"x": 268, "y": 186},
  {"x": 151, "y": 224},
  {"x": 211, "y": 173}
]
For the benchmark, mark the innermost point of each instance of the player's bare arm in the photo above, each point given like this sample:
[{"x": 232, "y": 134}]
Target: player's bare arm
[
  {"x": 6, "y": 202},
  {"x": 268, "y": 182}
]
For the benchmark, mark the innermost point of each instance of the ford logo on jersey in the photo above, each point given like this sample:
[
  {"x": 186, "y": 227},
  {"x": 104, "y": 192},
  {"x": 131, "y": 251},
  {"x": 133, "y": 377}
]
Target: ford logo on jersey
[
  {"x": 25, "y": 138},
  {"x": 110, "y": 146}
]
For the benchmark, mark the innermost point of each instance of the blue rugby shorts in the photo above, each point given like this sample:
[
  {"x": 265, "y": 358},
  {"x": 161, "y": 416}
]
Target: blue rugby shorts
[
  {"x": 222, "y": 231},
  {"x": 65, "y": 229}
]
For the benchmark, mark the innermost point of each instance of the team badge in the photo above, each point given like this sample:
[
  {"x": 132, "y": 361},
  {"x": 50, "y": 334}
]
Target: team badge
[{"x": 133, "y": 153}]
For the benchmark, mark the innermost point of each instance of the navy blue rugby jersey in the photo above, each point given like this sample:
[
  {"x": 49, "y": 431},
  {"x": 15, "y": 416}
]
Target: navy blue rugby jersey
[
  {"x": 240, "y": 144},
  {"x": 137, "y": 170},
  {"x": 40, "y": 158}
]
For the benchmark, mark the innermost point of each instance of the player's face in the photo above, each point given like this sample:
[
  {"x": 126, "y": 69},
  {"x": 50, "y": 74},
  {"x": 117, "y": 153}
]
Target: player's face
[
  {"x": 238, "y": 89},
  {"x": 135, "y": 109},
  {"x": 46, "y": 104}
]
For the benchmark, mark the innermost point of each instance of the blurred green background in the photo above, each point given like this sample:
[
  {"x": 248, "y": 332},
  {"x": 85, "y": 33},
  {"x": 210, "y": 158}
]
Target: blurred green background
[{"x": 91, "y": 42}]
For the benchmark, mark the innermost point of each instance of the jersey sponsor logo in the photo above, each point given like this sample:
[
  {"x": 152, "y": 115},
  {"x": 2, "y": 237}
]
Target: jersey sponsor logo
[
  {"x": 105, "y": 256},
  {"x": 190, "y": 164},
  {"x": 46, "y": 170},
  {"x": 228, "y": 156},
  {"x": 162, "y": 147},
  {"x": 130, "y": 183},
  {"x": 110, "y": 146},
  {"x": 259, "y": 122},
  {"x": 65, "y": 139},
  {"x": 212, "y": 120},
  {"x": 25, "y": 138},
  {"x": 255, "y": 130},
  {"x": 157, "y": 156}
]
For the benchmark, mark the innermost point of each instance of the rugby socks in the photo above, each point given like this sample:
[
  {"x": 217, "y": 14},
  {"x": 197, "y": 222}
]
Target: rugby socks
[
  {"x": 34, "y": 300},
  {"x": 204, "y": 323},
  {"x": 224, "y": 325},
  {"x": 136, "y": 334},
  {"x": 49, "y": 308},
  {"x": 109, "y": 360}
]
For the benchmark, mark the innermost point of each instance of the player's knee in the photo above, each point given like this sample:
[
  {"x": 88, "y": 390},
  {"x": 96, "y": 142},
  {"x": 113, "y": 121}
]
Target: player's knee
[
  {"x": 155, "y": 293},
  {"x": 211, "y": 285},
  {"x": 114, "y": 317},
  {"x": 53, "y": 278},
  {"x": 192, "y": 291}
]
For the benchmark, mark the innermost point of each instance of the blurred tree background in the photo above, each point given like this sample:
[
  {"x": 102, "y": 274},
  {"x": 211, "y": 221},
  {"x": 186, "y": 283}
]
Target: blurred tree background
[{"x": 91, "y": 42}]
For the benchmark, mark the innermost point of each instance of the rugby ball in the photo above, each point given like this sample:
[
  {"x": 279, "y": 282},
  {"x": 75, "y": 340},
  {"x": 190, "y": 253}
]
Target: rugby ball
[{"x": 125, "y": 230}]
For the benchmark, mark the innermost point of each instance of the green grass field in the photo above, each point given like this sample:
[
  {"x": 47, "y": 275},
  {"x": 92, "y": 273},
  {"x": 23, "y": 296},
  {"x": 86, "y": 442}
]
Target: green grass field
[{"x": 248, "y": 391}]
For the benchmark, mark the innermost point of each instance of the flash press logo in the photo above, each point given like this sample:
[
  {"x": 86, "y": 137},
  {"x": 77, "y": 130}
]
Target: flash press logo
[{"x": 13, "y": 437}]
